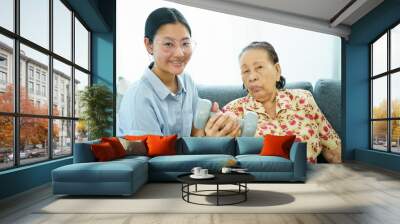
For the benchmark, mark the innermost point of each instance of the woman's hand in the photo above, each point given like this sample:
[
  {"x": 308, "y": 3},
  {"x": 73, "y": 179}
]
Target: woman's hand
[{"x": 222, "y": 124}]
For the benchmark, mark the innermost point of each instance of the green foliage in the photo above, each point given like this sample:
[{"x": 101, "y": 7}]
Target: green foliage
[{"x": 96, "y": 102}]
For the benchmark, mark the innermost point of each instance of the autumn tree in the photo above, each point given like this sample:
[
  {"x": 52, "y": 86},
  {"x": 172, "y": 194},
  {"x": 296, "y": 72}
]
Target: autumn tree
[
  {"x": 6, "y": 122},
  {"x": 380, "y": 127},
  {"x": 33, "y": 130},
  {"x": 396, "y": 123},
  {"x": 81, "y": 129}
]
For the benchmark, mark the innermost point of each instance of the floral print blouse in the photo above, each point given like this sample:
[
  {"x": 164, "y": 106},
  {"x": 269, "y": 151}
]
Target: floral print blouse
[{"x": 296, "y": 114}]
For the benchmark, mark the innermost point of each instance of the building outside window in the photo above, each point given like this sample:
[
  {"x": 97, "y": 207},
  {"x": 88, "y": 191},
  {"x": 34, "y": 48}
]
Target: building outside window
[
  {"x": 44, "y": 77},
  {"x": 3, "y": 78},
  {"x": 30, "y": 87},
  {"x": 30, "y": 72},
  {"x": 43, "y": 90},
  {"x": 37, "y": 75},
  {"x": 38, "y": 89},
  {"x": 3, "y": 71},
  {"x": 55, "y": 99},
  {"x": 3, "y": 60}
]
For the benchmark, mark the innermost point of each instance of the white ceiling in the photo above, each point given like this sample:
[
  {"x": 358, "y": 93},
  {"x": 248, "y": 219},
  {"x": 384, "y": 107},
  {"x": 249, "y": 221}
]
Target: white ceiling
[
  {"x": 320, "y": 9},
  {"x": 316, "y": 15}
]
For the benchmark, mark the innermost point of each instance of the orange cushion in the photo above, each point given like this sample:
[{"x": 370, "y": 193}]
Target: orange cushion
[
  {"x": 277, "y": 145},
  {"x": 116, "y": 145},
  {"x": 161, "y": 145},
  {"x": 103, "y": 152}
]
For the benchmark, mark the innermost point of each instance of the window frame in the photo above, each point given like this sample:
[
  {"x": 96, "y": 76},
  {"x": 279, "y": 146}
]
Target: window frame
[
  {"x": 16, "y": 115},
  {"x": 388, "y": 74}
]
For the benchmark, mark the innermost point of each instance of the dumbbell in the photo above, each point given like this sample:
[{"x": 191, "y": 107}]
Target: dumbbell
[{"x": 248, "y": 124}]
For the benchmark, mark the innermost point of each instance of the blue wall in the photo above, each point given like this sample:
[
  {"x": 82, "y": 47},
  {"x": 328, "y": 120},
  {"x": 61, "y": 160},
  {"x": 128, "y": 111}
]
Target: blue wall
[
  {"x": 103, "y": 63},
  {"x": 103, "y": 53},
  {"x": 356, "y": 84},
  {"x": 380, "y": 159},
  {"x": 102, "y": 58},
  {"x": 24, "y": 178},
  {"x": 99, "y": 15}
]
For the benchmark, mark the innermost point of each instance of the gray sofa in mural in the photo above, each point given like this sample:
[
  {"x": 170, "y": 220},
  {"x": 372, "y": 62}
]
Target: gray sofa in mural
[{"x": 125, "y": 176}]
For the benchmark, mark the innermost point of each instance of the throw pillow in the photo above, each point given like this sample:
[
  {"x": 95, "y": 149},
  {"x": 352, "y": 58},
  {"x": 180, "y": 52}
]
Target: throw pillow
[
  {"x": 138, "y": 138},
  {"x": 161, "y": 145},
  {"x": 137, "y": 147},
  {"x": 117, "y": 146},
  {"x": 277, "y": 145},
  {"x": 103, "y": 152}
]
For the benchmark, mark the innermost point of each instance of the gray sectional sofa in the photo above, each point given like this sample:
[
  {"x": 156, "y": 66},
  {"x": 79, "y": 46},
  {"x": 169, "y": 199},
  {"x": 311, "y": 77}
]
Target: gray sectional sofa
[{"x": 125, "y": 176}]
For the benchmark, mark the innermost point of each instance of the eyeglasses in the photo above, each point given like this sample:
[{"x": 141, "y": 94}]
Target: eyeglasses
[{"x": 186, "y": 45}]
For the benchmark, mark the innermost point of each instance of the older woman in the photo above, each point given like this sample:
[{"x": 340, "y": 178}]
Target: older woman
[{"x": 282, "y": 111}]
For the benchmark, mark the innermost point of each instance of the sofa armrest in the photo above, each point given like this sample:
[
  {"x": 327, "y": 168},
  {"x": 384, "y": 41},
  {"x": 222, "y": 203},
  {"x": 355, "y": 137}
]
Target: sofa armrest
[
  {"x": 298, "y": 155},
  {"x": 83, "y": 152}
]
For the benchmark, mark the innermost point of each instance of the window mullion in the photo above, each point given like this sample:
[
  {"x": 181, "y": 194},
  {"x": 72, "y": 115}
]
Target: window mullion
[
  {"x": 73, "y": 82},
  {"x": 389, "y": 106},
  {"x": 50, "y": 81},
  {"x": 371, "y": 97},
  {"x": 16, "y": 83}
]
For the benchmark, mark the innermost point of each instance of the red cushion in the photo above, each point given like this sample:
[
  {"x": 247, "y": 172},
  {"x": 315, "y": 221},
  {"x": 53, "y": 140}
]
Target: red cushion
[
  {"x": 277, "y": 145},
  {"x": 116, "y": 145},
  {"x": 161, "y": 145},
  {"x": 103, "y": 151}
]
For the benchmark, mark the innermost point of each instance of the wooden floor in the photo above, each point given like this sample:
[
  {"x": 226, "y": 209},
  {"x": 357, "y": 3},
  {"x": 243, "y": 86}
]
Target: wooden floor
[{"x": 377, "y": 188}]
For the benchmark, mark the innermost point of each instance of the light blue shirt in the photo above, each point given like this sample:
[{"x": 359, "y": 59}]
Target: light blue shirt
[{"x": 149, "y": 107}]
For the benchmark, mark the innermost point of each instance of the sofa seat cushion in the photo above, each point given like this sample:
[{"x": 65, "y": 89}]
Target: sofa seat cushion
[
  {"x": 257, "y": 163},
  {"x": 133, "y": 158},
  {"x": 185, "y": 163},
  {"x": 112, "y": 171}
]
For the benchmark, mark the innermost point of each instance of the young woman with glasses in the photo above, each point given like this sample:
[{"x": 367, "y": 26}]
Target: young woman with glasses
[{"x": 163, "y": 101}]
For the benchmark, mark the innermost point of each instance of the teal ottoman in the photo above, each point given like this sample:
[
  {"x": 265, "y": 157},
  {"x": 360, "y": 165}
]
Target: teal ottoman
[{"x": 118, "y": 177}]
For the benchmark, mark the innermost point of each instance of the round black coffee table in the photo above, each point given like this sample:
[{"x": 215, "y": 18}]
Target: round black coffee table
[{"x": 238, "y": 179}]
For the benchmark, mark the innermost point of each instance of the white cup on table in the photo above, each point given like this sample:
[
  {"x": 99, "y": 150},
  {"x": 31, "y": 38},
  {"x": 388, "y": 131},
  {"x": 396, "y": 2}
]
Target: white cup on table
[
  {"x": 196, "y": 170},
  {"x": 203, "y": 172}
]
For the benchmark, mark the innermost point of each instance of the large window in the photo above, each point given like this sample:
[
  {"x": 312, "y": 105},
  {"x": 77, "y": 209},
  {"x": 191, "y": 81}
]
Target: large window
[
  {"x": 40, "y": 80},
  {"x": 385, "y": 95}
]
